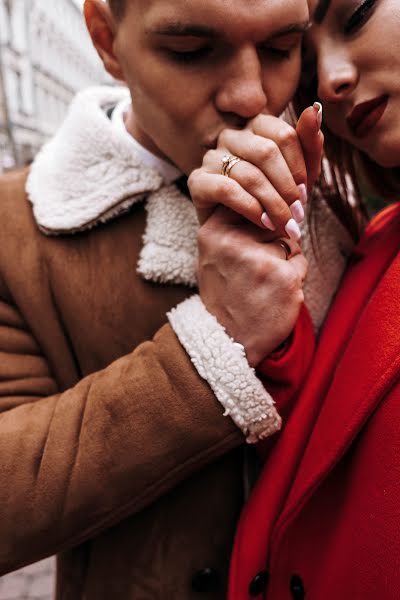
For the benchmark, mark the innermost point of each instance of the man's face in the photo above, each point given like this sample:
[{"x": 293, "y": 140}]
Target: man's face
[{"x": 196, "y": 67}]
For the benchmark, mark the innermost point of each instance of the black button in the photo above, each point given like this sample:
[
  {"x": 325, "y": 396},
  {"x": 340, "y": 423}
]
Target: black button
[
  {"x": 206, "y": 580},
  {"x": 297, "y": 588},
  {"x": 259, "y": 584}
]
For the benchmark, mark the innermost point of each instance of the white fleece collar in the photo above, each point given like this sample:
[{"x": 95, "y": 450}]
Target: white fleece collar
[{"x": 89, "y": 174}]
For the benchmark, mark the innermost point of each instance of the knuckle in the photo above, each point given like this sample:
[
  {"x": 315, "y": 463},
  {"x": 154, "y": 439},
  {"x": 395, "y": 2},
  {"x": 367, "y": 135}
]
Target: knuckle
[
  {"x": 290, "y": 192},
  {"x": 202, "y": 238},
  {"x": 300, "y": 298},
  {"x": 224, "y": 188},
  {"x": 211, "y": 158},
  {"x": 300, "y": 174},
  {"x": 193, "y": 180},
  {"x": 279, "y": 211},
  {"x": 268, "y": 150},
  {"x": 224, "y": 137},
  {"x": 257, "y": 121},
  {"x": 292, "y": 281},
  {"x": 253, "y": 180},
  {"x": 287, "y": 135}
]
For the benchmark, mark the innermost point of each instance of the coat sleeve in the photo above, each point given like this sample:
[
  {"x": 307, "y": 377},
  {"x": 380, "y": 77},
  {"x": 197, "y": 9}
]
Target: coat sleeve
[
  {"x": 283, "y": 372},
  {"x": 77, "y": 462}
]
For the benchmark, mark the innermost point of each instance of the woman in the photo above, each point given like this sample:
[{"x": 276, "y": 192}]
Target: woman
[{"x": 323, "y": 521}]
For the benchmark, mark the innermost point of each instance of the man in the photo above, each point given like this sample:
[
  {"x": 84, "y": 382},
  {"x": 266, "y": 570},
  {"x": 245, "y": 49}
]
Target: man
[{"x": 115, "y": 452}]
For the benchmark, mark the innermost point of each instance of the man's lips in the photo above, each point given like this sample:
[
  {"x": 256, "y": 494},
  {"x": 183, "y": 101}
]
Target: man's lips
[
  {"x": 210, "y": 145},
  {"x": 366, "y": 115}
]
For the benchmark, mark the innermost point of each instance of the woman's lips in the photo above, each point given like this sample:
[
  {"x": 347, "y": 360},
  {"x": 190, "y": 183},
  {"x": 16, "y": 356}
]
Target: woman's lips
[{"x": 366, "y": 115}]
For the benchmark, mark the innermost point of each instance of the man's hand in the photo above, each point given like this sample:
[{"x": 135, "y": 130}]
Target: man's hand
[
  {"x": 247, "y": 283},
  {"x": 269, "y": 184}
]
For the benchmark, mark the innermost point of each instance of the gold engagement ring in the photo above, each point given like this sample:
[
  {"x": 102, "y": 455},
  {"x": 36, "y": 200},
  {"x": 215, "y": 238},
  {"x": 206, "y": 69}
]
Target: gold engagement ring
[{"x": 228, "y": 161}]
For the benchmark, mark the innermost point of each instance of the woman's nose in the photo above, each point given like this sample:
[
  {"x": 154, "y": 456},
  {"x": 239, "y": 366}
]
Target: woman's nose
[{"x": 337, "y": 77}]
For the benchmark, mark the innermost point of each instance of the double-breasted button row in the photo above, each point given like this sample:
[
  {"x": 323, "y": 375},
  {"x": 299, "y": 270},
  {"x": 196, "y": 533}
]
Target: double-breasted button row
[
  {"x": 297, "y": 588},
  {"x": 206, "y": 580},
  {"x": 259, "y": 585}
]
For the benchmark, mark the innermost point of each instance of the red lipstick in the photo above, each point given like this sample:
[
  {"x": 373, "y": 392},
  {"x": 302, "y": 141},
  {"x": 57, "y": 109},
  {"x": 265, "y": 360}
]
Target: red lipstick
[{"x": 366, "y": 115}]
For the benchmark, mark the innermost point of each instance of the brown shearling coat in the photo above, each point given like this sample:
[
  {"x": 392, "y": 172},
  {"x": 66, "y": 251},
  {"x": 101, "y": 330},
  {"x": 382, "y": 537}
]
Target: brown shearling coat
[{"x": 114, "y": 453}]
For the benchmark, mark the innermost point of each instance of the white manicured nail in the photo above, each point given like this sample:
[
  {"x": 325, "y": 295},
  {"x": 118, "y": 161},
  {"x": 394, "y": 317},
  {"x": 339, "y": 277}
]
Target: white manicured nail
[
  {"x": 318, "y": 109},
  {"x": 303, "y": 194},
  {"x": 293, "y": 230},
  {"x": 297, "y": 211},
  {"x": 266, "y": 221}
]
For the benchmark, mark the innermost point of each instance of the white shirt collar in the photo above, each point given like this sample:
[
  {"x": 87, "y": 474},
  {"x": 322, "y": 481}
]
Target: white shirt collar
[{"x": 168, "y": 171}]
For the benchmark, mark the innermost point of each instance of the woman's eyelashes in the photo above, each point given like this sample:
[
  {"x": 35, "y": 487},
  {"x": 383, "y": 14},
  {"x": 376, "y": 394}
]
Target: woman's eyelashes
[{"x": 360, "y": 16}]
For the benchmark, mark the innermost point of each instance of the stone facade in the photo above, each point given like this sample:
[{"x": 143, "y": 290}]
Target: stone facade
[{"x": 45, "y": 57}]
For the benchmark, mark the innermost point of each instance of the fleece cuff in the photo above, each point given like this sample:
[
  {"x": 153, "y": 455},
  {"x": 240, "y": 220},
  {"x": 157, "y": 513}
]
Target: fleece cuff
[{"x": 222, "y": 363}]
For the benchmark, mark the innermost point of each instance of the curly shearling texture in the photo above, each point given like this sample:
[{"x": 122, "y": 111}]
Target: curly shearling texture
[
  {"x": 222, "y": 362},
  {"x": 87, "y": 173}
]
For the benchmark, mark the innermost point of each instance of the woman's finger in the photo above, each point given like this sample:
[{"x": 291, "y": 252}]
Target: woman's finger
[
  {"x": 312, "y": 140},
  {"x": 286, "y": 138},
  {"x": 209, "y": 190},
  {"x": 279, "y": 214},
  {"x": 265, "y": 154}
]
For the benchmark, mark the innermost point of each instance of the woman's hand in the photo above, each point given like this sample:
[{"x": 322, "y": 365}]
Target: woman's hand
[
  {"x": 254, "y": 287},
  {"x": 269, "y": 184}
]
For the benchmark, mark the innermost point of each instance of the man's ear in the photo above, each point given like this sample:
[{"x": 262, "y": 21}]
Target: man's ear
[{"x": 102, "y": 26}]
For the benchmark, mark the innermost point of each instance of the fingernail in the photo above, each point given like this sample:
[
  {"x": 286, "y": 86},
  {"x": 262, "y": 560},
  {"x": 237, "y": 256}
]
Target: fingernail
[
  {"x": 303, "y": 193},
  {"x": 297, "y": 211},
  {"x": 318, "y": 109},
  {"x": 293, "y": 230},
  {"x": 266, "y": 221}
]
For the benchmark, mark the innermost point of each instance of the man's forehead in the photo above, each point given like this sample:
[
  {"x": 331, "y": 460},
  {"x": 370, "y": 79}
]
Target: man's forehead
[{"x": 221, "y": 13}]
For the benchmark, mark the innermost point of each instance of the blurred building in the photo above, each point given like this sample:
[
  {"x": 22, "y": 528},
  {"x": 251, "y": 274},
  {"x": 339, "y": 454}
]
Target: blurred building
[{"x": 45, "y": 57}]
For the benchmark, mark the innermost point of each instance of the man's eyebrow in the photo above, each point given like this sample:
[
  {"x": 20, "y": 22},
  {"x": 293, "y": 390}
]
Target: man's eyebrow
[
  {"x": 177, "y": 29},
  {"x": 321, "y": 10}
]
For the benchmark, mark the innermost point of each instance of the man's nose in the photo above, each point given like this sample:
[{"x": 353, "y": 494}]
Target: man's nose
[
  {"x": 337, "y": 77},
  {"x": 241, "y": 92}
]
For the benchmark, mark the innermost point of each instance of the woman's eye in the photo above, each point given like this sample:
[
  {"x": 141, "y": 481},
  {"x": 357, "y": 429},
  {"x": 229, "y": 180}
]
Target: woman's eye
[{"x": 360, "y": 16}]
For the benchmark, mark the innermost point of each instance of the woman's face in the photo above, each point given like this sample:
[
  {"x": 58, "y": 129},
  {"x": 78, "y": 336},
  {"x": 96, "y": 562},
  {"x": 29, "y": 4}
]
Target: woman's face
[{"x": 353, "y": 50}]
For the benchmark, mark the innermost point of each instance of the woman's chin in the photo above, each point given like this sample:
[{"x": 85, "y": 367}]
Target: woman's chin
[
  {"x": 386, "y": 162},
  {"x": 387, "y": 158},
  {"x": 385, "y": 151}
]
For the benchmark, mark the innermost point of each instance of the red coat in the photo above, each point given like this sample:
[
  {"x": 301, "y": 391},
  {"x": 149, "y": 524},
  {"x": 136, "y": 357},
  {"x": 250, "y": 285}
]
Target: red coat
[{"x": 323, "y": 522}]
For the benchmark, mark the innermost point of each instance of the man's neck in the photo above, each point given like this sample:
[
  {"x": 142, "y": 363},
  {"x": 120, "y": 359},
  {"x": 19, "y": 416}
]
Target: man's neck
[{"x": 140, "y": 136}]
